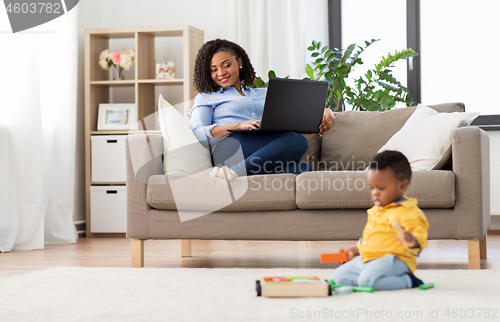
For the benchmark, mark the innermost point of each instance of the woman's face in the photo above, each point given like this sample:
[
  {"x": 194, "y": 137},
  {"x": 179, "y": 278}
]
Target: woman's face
[{"x": 225, "y": 69}]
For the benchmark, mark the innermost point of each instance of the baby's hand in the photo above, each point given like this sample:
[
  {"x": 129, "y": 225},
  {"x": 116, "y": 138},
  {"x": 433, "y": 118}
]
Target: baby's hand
[
  {"x": 351, "y": 252},
  {"x": 409, "y": 240},
  {"x": 405, "y": 236}
]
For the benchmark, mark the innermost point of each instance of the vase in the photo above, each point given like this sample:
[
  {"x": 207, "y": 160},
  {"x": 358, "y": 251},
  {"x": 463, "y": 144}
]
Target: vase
[{"x": 118, "y": 73}]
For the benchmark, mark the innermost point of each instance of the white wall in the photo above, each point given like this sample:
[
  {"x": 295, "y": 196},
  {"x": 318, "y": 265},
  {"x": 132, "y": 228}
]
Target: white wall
[
  {"x": 495, "y": 178},
  {"x": 89, "y": 15},
  {"x": 202, "y": 14},
  {"x": 460, "y": 45}
]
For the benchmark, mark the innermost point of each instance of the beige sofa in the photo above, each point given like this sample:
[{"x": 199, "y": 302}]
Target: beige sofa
[{"x": 327, "y": 204}]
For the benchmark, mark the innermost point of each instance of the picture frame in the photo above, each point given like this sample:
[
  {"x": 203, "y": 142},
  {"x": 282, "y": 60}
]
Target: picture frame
[{"x": 118, "y": 116}]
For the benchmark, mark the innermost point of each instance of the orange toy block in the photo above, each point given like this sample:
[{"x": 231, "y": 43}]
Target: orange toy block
[{"x": 334, "y": 258}]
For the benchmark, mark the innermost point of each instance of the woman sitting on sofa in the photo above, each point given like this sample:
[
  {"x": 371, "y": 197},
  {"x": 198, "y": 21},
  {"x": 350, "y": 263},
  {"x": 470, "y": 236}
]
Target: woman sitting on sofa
[{"x": 222, "y": 75}]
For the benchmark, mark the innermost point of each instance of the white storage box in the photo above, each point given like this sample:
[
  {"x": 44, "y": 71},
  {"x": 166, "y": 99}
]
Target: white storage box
[
  {"x": 108, "y": 158},
  {"x": 108, "y": 209}
]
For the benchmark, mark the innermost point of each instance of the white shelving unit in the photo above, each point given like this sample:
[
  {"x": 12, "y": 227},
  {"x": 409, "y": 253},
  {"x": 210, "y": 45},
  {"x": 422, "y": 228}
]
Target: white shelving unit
[{"x": 100, "y": 160}]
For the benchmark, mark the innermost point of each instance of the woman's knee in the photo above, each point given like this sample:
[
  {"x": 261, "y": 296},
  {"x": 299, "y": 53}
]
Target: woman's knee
[
  {"x": 226, "y": 150},
  {"x": 298, "y": 143}
]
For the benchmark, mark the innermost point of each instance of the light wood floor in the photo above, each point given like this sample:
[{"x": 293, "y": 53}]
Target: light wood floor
[{"x": 115, "y": 252}]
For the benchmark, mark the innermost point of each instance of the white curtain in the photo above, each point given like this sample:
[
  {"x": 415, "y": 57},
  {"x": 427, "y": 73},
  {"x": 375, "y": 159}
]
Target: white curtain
[
  {"x": 37, "y": 133},
  {"x": 275, "y": 33}
]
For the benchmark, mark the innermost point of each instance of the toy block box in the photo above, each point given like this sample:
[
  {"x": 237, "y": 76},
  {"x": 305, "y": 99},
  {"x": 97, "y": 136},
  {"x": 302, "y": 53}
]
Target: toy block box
[{"x": 293, "y": 286}]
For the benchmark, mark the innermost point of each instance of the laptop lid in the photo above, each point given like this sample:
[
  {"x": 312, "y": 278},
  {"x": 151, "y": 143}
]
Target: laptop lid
[{"x": 294, "y": 105}]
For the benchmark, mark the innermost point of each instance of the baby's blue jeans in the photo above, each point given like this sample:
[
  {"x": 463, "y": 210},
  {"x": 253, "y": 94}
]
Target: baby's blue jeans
[
  {"x": 384, "y": 273},
  {"x": 263, "y": 153}
]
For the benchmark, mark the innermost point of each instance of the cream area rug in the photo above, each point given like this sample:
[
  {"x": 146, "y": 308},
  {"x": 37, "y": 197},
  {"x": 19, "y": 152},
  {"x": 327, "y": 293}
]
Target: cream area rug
[{"x": 190, "y": 294}]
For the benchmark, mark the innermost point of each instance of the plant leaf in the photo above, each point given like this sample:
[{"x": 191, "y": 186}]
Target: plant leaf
[{"x": 309, "y": 71}]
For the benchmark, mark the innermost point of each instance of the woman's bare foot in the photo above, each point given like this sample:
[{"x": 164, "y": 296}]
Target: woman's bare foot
[
  {"x": 226, "y": 173},
  {"x": 214, "y": 173}
]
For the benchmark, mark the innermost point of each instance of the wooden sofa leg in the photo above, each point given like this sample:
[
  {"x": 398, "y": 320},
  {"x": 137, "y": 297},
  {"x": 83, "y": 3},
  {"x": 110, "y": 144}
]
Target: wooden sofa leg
[
  {"x": 186, "y": 248},
  {"x": 482, "y": 247},
  {"x": 137, "y": 252},
  {"x": 474, "y": 254}
]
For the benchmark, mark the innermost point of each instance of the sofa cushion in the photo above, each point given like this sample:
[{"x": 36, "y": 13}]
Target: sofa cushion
[
  {"x": 425, "y": 139},
  {"x": 449, "y": 107},
  {"x": 312, "y": 155},
  {"x": 355, "y": 137},
  {"x": 350, "y": 189},
  {"x": 183, "y": 153},
  {"x": 253, "y": 193}
]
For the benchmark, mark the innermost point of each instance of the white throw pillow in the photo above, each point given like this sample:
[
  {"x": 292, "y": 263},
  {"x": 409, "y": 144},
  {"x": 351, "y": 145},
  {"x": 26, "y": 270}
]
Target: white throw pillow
[
  {"x": 183, "y": 153},
  {"x": 425, "y": 139}
]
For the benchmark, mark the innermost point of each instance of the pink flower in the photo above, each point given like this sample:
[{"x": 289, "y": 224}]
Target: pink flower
[
  {"x": 103, "y": 54},
  {"x": 117, "y": 57}
]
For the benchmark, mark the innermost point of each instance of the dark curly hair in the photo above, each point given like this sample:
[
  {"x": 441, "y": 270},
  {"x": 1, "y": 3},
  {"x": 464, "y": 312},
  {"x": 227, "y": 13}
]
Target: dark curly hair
[
  {"x": 203, "y": 82},
  {"x": 394, "y": 160}
]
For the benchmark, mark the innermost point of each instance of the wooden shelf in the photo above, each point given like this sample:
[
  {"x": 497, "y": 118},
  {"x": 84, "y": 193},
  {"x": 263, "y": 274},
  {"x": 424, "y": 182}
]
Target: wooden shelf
[
  {"x": 114, "y": 83},
  {"x": 108, "y": 183},
  {"x": 107, "y": 132},
  {"x": 157, "y": 31},
  {"x": 142, "y": 85},
  {"x": 171, "y": 81},
  {"x": 121, "y": 132}
]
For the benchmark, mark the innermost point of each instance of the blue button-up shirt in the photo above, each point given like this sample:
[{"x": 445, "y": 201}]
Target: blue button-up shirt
[{"x": 225, "y": 106}]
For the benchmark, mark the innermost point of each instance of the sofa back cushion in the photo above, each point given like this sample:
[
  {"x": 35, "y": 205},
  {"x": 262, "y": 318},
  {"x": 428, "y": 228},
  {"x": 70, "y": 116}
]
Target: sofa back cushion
[
  {"x": 313, "y": 153},
  {"x": 355, "y": 137}
]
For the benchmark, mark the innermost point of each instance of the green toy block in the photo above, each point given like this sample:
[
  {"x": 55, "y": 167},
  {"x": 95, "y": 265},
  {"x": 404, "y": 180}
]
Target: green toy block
[
  {"x": 426, "y": 286},
  {"x": 363, "y": 289}
]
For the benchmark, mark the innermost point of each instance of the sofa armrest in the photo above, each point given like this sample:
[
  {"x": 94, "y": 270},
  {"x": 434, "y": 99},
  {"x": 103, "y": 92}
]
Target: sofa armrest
[
  {"x": 143, "y": 159},
  {"x": 471, "y": 165}
]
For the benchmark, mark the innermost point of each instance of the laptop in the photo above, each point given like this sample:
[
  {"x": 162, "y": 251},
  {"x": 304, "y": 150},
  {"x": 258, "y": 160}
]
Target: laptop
[{"x": 292, "y": 105}]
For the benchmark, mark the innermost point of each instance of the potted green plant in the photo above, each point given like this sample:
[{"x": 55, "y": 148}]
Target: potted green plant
[
  {"x": 376, "y": 90},
  {"x": 260, "y": 83}
]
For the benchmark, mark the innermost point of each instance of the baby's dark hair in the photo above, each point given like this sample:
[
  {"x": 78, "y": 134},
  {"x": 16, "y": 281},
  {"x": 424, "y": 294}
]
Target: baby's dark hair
[
  {"x": 394, "y": 160},
  {"x": 203, "y": 82}
]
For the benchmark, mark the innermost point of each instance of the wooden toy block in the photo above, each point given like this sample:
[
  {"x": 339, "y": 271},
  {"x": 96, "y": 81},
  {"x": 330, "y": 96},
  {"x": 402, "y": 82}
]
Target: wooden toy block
[
  {"x": 334, "y": 258},
  {"x": 293, "y": 286},
  {"x": 400, "y": 231}
]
